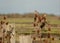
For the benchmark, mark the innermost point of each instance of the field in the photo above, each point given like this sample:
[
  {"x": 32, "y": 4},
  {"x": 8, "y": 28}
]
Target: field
[{"x": 25, "y": 25}]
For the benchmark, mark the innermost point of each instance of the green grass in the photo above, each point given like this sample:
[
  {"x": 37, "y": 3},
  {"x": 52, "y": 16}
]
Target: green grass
[{"x": 20, "y": 27}]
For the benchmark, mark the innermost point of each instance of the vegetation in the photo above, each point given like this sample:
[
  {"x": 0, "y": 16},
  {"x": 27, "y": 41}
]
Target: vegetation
[{"x": 24, "y": 23}]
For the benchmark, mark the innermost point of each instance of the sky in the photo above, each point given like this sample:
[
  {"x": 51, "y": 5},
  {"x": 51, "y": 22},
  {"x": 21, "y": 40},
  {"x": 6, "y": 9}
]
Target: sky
[{"x": 25, "y": 6}]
